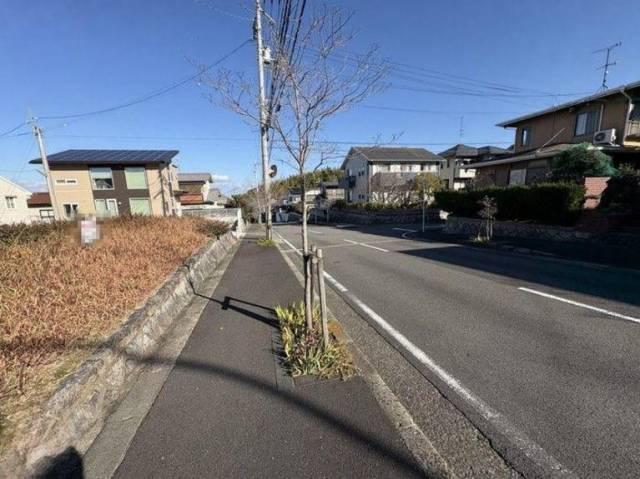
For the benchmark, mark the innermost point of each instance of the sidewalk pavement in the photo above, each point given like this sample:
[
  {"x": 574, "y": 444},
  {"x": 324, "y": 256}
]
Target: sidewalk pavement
[{"x": 225, "y": 410}]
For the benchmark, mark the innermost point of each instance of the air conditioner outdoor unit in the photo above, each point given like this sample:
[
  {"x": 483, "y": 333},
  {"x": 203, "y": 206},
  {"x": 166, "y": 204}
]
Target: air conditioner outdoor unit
[{"x": 607, "y": 137}]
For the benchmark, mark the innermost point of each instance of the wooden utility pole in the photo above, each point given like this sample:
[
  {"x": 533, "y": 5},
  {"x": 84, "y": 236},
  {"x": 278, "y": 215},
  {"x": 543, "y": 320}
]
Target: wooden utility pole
[
  {"x": 264, "y": 120},
  {"x": 37, "y": 132}
]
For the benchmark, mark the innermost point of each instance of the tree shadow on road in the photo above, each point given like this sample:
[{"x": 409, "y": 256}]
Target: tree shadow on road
[{"x": 402, "y": 461}]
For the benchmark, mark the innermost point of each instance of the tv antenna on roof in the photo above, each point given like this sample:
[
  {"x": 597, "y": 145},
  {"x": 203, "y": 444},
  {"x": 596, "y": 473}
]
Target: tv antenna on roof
[{"x": 607, "y": 63}]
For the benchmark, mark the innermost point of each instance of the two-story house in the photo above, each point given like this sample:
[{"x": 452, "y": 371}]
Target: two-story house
[
  {"x": 610, "y": 120},
  {"x": 197, "y": 192},
  {"x": 457, "y": 170},
  {"x": 109, "y": 183},
  {"x": 371, "y": 173}
]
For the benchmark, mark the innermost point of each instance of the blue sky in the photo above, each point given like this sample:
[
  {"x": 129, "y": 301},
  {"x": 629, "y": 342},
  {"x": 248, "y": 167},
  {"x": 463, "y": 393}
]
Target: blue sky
[{"x": 68, "y": 56}]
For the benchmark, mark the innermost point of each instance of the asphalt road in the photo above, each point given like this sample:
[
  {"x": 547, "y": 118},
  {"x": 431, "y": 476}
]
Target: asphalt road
[{"x": 551, "y": 346}]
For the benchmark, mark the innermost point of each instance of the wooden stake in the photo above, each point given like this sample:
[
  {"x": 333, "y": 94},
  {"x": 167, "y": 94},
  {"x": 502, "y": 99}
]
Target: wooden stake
[{"x": 323, "y": 297}]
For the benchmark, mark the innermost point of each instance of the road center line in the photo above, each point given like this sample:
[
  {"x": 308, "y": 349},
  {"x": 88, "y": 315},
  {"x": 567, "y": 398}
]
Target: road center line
[
  {"x": 581, "y": 305},
  {"x": 404, "y": 229}
]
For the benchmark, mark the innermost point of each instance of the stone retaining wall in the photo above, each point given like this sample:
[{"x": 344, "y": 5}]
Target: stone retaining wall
[
  {"x": 513, "y": 229},
  {"x": 74, "y": 415}
]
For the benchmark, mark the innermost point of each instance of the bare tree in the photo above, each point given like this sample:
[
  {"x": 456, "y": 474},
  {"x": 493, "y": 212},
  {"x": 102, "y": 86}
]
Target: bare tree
[{"x": 314, "y": 80}]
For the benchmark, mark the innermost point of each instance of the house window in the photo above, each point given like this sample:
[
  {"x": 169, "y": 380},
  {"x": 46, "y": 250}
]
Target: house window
[
  {"x": 384, "y": 168},
  {"x": 70, "y": 210},
  {"x": 11, "y": 202},
  {"x": 46, "y": 214},
  {"x": 405, "y": 167},
  {"x": 106, "y": 208},
  {"x": 140, "y": 206},
  {"x": 136, "y": 177},
  {"x": 586, "y": 122},
  {"x": 525, "y": 136},
  {"x": 518, "y": 176},
  {"x": 102, "y": 178}
]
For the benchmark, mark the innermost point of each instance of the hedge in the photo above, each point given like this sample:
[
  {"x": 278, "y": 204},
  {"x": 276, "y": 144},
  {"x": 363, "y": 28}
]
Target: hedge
[{"x": 549, "y": 203}]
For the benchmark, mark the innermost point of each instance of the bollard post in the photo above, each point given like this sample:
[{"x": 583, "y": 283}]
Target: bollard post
[{"x": 323, "y": 297}]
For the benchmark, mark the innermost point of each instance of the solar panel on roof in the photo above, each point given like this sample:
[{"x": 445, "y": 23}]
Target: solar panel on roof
[{"x": 110, "y": 156}]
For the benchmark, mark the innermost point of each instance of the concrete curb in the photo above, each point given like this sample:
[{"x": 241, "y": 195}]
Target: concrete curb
[{"x": 74, "y": 415}]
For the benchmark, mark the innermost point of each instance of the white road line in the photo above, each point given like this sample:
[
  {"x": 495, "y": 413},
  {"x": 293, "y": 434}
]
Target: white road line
[
  {"x": 406, "y": 232},
  {"x": 316, "y": 232},
  {"x": 530, "y": 448},
  {"x": 581, "y": 305},
  {"x": 374, "y": 247},
  {"x": 289, "y": 244},
  {"x": 366, "y": 245}
]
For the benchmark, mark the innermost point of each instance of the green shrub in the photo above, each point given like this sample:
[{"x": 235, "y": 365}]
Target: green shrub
[
  {"x": 550, "y": 203},
  {"x": 623, "y": 191},
  {"x": 339, "y": 204},
  {"x": 579, "y": 161}
]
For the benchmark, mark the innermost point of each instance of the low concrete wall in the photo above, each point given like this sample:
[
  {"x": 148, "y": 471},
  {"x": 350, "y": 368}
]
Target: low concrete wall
[
  {"x": 74, "y": 415},
  {"x": 513, "y": 229},
  {"x": 377, "y": 217}
]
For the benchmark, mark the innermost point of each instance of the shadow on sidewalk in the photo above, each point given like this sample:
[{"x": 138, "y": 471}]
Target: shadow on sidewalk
[
  {"x": 226, "y": 304},
  {"x": 294, "y": 400}
]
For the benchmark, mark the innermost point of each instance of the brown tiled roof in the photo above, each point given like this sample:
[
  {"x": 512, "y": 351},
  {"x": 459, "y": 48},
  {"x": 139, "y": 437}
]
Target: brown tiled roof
[{"x": 40, "y": 198}]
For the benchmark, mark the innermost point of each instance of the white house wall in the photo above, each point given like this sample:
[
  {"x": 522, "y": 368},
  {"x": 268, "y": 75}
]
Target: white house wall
[{"x": 21, "y": 213}]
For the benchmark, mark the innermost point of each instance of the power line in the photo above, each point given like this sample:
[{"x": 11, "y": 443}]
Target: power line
[
  {"x": 15, "y": 128},
  {"x": 151, "y": 95},
  {"x": 213, "y": 138},
  {"x": 438, "y": 112}
]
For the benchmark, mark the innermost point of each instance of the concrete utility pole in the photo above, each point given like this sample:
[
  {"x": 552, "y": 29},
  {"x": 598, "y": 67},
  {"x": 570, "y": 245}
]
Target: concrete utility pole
[
  {"x": 264, "y": 121},
  {"x": 607, "y": 63},
  {"x": 37, "y": 132}
]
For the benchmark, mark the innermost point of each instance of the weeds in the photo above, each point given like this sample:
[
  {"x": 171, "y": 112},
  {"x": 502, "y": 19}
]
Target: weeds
[
  {"x": 304, "y": 350},
  {"x": 265, "y": 242},
  {"x": 57, "y": 298}
]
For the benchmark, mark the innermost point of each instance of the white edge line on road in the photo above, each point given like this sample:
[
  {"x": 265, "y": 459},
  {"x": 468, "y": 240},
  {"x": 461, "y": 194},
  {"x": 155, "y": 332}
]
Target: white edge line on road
[
  {"x": 404, "y": 229},
  {"x": 535, "y": 452},
  {"x": 523, "y": 442},
  {"x": 366, "y": 245},
  {"x": 288, "y": 243},
  {"x": 373, "y": 247},
  {"x": 581, "y": 305}
]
